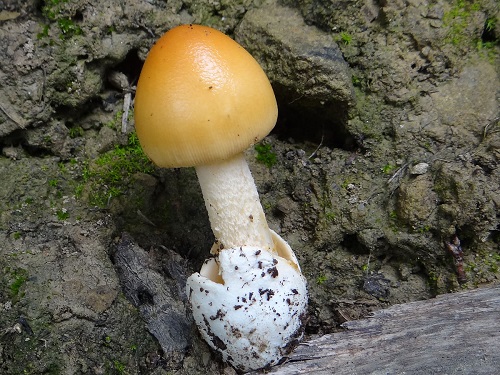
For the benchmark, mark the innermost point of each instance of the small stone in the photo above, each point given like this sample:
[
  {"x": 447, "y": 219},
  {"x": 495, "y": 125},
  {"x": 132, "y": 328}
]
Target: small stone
[
  {"x": 118, "y": 80},
  {"x": 11, "y": 152},
  {"x": 418, "y": 169}
]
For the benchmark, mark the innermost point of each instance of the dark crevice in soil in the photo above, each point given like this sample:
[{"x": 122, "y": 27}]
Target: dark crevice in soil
[
  {"x": 304, "y": 120},
  {"x": 131, "y": 66},
  {"x": 352, "y": 243},
  {"x": 18, "y": 139},
  {"x": 488, "y": 34}
]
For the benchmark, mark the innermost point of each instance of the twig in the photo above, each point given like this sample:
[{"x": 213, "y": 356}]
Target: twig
[
  {"x": 126, "y": 107},
  {"x": 294, "y": 100},
  {"x": 485, "y": 130},
  {"x": 398, "y": 172},
  {"x": 145, "y": 218},
  {"x": 317, "y": 148}
]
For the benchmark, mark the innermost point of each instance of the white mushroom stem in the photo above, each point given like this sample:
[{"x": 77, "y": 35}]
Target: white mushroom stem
[{"x": 233, "y": 205}]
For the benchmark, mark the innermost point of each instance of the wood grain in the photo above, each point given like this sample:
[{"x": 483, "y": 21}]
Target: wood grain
[{"x": 455, "y": 333}]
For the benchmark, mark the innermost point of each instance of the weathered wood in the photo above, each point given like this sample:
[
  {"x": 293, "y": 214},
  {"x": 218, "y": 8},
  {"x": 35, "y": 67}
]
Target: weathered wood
[
  {"x": 157, "y": 296},
  {"x": 456, "y": 333}
]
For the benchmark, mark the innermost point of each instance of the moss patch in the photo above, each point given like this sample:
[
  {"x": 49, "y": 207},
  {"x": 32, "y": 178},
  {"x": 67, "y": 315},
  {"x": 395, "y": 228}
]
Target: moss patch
[
  {"x": 15, "y": 280},
  {"x": 110, "y": 175},
  {"x": 265, "y": 155}
]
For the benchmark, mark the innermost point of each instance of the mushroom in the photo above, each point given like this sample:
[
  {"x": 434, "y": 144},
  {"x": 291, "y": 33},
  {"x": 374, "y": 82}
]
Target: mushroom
[{"x": 201, "y": 101}]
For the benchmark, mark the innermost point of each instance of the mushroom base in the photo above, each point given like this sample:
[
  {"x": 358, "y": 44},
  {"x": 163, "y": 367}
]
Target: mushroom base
[{"x": 256, "y": 315}]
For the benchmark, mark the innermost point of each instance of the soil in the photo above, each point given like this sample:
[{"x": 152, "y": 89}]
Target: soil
[{"x": 382, "y": 173}]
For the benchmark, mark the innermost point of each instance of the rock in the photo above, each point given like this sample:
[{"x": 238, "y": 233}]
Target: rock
[
  {"x": 377, "y": 285},
  {"x": 304, "y": 64},
  {"x": 101, "y": 143},
  {"x": 417, "y": 202},
  {"x": 418, "y": 169},
  {"x": 467, "y": 104},
  {"x": 300, "y": 58},
  {"x": 467, "y": 197},
  {"x": 59, "y": 58},
  {"x": 53, "y": 138}
]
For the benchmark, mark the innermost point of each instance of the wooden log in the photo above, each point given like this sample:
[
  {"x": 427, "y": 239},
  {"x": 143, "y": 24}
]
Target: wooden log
[{"x": 455, "y": 333}]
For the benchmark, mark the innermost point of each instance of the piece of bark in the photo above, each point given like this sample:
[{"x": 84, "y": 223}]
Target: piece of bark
[
  {"x": 158, "y": 298},
  {"x": 455, "y": 333}
]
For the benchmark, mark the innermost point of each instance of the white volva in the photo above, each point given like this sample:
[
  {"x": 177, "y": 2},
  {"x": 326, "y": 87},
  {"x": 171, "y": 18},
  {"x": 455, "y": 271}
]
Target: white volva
[{"x": 256, "y": 315}]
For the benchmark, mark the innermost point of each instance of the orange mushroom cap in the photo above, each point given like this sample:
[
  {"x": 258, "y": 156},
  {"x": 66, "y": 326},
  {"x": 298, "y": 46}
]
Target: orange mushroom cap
[{"x": 201, "y": 97}]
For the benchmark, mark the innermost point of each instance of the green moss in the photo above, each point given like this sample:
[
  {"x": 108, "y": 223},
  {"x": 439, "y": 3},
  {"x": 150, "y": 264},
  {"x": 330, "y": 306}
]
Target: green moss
[
  {"x": 321, "y": 279},
  {"x": 330, "y": 216},
  {"x": 489, "y": 40},
  {"x": 484, "y": 267},
  {"x": 115, "y": 123},
  {"x": 107, "y": 340},
  {"x": 62, "y": 214},
  {"x": 58, "y": 13},
  {"x": 79, "y": 190},
  {"x": 356, "y": 81},
  {"x": 345, "y": 183},
  {"x": 388, "y": 168},
  {"x": 265, "y": 155},
  {"x": 19, "y": 276},
  {"x": 424, "y": 229},
  {"x": 52, "y": 8},
  {"x": 494, "y": 263},
  {"x": 76, "y": 131},
  {"x": 109, "y": 175},
  {"x": 345, "y": 38},
  {"x": 457, "y": 20},
  {"x": 68, "y": 28},
  {"x": 44, "y": 33},
  {"x": 119, "y": 367}
]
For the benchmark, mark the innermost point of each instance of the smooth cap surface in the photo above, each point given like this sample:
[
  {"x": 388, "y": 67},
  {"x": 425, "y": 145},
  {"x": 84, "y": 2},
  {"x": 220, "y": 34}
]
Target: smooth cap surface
[{"x": 201, "y": 97}]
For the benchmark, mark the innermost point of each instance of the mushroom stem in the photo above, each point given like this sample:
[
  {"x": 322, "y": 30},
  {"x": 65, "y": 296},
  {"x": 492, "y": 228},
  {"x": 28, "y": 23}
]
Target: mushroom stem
[{"x": 233, "y": 205}]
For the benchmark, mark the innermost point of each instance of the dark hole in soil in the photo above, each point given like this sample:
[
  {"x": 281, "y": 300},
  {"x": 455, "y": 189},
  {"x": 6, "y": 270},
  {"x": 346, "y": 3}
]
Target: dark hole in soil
[
  {"x": 14, "y": 139},
  {"x": 78, "y": 16},
  {"x": 131, "y": 66},
  {"x": 495, "y": 236},
  {"x": 311, "y": 121},
  {"x": 488, "y": 35},
  {"x": 18, "y": 138},
  {"x": 352, "y": 243},
  {"x": 39, "y": 4}
]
